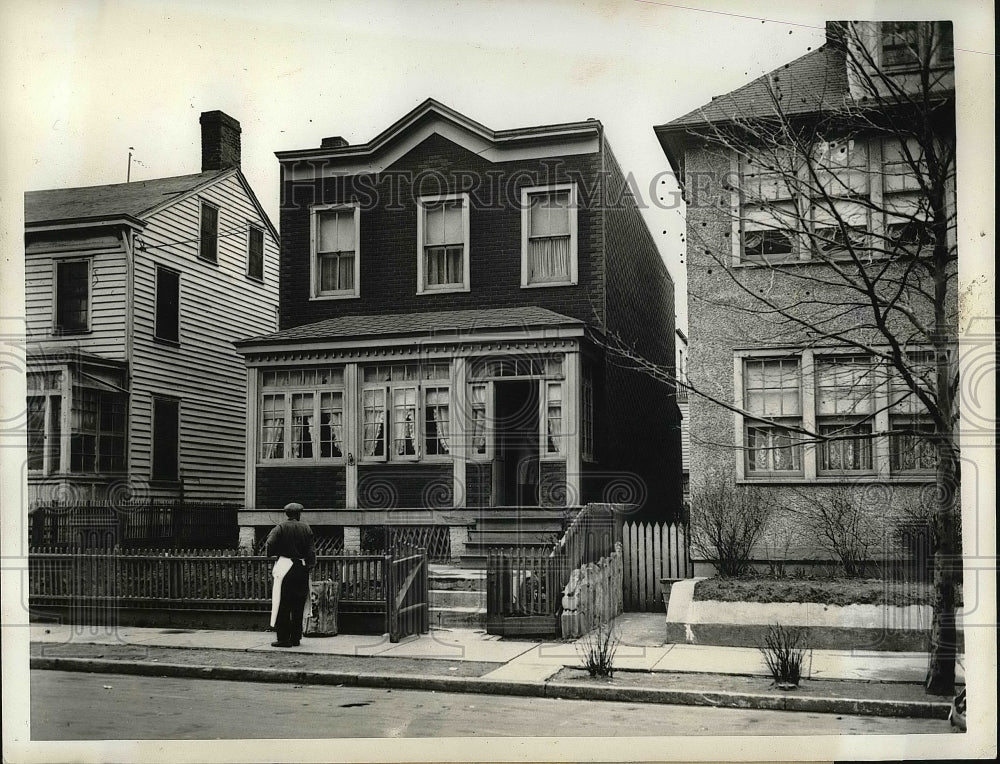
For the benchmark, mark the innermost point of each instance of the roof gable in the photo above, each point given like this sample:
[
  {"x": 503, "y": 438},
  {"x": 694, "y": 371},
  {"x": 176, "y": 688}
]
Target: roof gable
[{"x": 432, "y": 117}]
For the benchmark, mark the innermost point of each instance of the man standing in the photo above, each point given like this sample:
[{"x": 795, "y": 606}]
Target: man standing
[{"x": 291, "y": 541}]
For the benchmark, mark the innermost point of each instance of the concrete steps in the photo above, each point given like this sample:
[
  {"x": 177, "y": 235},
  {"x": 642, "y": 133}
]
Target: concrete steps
[
  {"x": 457, "y": 597},
  {"x": 512, "y": 527}
]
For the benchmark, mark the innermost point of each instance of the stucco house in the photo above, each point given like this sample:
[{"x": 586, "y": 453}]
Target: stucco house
[{"x": 807, "y": 178}]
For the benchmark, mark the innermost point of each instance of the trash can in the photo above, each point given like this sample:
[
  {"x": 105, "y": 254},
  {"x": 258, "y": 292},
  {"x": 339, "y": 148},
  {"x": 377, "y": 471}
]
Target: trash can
[{"x": 320, "y": 617}]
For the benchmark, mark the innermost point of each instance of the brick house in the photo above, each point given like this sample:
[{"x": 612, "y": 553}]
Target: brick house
[
  {"x": 129, "y": 287},
  {"x": 752, "y": 231},
  {"x": 445, "y": 292}
]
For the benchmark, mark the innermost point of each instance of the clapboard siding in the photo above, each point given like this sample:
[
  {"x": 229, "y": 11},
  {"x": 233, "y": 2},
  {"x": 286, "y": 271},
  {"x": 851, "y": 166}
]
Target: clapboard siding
[
  {"x": 219, "y": 304},
  {"x": 107, "y": 296}
]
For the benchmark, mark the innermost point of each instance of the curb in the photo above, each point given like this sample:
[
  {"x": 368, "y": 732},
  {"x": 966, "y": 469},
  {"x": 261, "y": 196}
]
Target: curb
[{"x": 915, "y": 709}]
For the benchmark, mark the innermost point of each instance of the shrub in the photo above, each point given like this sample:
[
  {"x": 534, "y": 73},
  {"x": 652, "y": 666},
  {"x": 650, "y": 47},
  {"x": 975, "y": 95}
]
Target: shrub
[
  {"x": 845, "y": 528},
  {"x": 598, "y": 649},
  {"x": 783, "y": 653},
  {"x": 728, "y": 520}
]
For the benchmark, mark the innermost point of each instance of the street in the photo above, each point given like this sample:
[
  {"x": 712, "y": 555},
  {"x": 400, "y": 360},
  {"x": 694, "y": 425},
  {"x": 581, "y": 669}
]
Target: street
[{"x": 82, "y": 706}]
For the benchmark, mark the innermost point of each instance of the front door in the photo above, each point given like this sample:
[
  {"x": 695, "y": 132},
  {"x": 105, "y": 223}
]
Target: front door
[{"x": 516, "y": 427}]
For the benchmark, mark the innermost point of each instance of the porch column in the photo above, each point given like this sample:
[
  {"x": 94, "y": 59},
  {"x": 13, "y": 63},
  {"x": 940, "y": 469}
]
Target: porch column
[
  {"x": 352, "y": 439},
  {"x": 250, "y": 460},
  {"x": 459, "y": 437},
  {"x": 574, "y": 428}
]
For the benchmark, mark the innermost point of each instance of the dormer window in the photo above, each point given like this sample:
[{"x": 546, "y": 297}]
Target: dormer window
[
  {"x": 913, "y": 44},
  {"x": 443, "y": 239},
  {"x": 335, "y": 253},
  {"x": 548, "y": 236}
]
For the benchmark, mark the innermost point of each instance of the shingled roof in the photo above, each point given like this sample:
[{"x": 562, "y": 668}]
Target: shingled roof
[
  {"x": 116, "y": 200},
  {"x": 435, "y": 322}
]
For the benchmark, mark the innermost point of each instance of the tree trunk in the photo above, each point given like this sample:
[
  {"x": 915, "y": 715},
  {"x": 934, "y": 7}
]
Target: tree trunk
[{"x": 947, "y": 574}]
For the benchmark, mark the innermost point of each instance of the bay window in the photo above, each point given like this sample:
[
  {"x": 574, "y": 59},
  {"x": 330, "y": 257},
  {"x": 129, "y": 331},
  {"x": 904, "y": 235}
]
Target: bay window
[
  {"x": 97, "y": 435},
  {"x": 418, "y": 414},
  {"x": 554, "y": 439}
]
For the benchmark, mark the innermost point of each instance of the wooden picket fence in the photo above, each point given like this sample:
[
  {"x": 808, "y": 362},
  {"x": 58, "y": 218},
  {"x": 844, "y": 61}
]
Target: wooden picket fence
[
  {"x": 652, "y": 551},
  {"x": 390, "y": 586}
]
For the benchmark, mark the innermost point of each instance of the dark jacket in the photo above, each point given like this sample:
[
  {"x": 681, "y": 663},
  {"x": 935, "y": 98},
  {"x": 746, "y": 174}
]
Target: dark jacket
[{"x": 293, "y": 539}]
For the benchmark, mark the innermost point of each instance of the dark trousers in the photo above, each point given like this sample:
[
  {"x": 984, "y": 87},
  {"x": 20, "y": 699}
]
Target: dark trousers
[{"x": 294, "y": 593}]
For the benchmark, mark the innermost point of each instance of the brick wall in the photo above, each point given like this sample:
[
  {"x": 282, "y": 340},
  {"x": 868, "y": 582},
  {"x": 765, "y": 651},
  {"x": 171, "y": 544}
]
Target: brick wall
[
  {"x": 552, "y": 484},
  {"x": 478, "y": 484},
  {"x": 641, "y": 431},
  {"x": 314, "y": 487},
  {"x": 389, "y": 235},
  {"x": 404, "y": 486}
]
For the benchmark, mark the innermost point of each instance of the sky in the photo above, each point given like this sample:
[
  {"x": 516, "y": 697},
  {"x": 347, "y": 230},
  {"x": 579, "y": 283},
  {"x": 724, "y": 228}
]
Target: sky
[{"x": 85, "y": 81}]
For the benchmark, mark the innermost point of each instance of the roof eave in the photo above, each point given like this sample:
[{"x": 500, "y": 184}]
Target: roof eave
[{"x": 102, "y": 221}]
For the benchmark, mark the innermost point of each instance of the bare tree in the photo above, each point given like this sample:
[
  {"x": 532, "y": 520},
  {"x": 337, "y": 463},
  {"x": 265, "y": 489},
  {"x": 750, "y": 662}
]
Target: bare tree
[{"x": 846, "y": 205}]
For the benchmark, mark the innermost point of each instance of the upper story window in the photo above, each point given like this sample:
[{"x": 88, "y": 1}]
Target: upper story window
[
  {"x": 208, "y": 242},
  {"x": 548, "y": 236},
  {"x": 443, "y": 243},
  {"x": 168, "y": 286},
  {"x": 72, "y": 298},
  {"x": 914, "y": 44},
  {"x": 860, "y": 195},
  {"x": 336, "y": 231},
  {"x": 255, "y": 252}
]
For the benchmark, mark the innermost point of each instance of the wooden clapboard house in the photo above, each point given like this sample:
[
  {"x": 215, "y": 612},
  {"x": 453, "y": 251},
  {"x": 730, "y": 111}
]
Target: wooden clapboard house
[{"x": 135, "y": 293}]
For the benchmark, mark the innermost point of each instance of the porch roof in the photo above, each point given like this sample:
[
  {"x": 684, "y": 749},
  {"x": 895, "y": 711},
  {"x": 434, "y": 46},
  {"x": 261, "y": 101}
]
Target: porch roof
[{"x": 434, "y": 323}]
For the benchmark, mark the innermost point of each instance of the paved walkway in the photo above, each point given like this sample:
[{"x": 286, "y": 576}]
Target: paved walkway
[{"x": 642, "y": 648}]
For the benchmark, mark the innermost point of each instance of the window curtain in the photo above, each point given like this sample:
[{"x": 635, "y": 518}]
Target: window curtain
[
  {"x": 479, "y": 418},
  {"x": 374, "y": 429},
  {"x": 548, "y": 259}
]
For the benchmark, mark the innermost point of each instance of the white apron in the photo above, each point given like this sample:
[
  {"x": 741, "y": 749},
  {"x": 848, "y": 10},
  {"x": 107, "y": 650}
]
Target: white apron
[{"x": 281, "y": 567}]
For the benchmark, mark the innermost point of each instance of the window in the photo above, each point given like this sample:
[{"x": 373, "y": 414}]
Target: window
[
  {"x": 167, "y": 326},
  {"x": 913, "y": 44},
  {"x": 335, "y": 262},
  {"x": 44, "y": 423},
  {"x": 478, "y": 395},
  {"x": 72, "y": 296},
  {"x": 911, "y": 444},
  {"x": 771, "y": 388},
  {"x": 548, "y": 236},
  {"x": 98, "y": 427},
  {"x": 907, "y": 213},
  {"x": 769, "y": 212},
  {"x": 208, "y": 243},
  {"x": 166, "y": 425},
  {"x": 554, "y": 418},
  {"x": 436, "y": 421},
  {"x": 844, "y": 407},
  {"x": 301, "y": 414},
  {"x": 255, "y": 252},
  {"x": 856, "y": 402},
  {"x": 839, "y": 216},
  {"x": 443, "y": 241},
  {"x": 414, "y": 400}
]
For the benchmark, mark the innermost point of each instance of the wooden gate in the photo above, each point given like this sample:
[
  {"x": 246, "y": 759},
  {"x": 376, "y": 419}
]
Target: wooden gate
[
  {"x": 406, "y": 595},
  {"x": 651, "y": 552},
  {"x": 523, "y": 591}
]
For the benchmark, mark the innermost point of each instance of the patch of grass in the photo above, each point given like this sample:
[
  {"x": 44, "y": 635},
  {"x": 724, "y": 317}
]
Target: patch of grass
[
  {"x": 598, "y": 650},
  {"x": 826, "y": 591},
  {"x": 784, "y": 651}
]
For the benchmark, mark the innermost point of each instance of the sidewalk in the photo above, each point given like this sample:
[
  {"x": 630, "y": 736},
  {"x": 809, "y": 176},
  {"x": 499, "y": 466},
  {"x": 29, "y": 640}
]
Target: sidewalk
[{"x": 647, "y": 670}]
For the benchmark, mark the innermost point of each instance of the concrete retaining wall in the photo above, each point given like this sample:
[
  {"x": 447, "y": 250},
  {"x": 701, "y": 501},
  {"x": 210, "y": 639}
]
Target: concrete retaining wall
[{"x": 860, "y": 627}]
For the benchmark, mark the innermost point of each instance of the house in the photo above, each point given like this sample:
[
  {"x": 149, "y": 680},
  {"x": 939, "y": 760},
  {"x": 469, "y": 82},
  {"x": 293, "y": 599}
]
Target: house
[
  {"x": 447, "y": 295},
  {"x": 809, "y": 200},
  {"x": 134, "y": 295}
]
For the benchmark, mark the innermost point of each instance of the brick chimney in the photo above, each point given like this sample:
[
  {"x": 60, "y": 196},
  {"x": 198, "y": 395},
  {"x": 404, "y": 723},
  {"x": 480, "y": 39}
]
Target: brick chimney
[
  {"x": 220, "y": 141},
  {"x": 333, "y": 142}
]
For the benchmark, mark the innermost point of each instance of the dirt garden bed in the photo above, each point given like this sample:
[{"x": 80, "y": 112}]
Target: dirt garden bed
[{"x": 826, "y": 591}]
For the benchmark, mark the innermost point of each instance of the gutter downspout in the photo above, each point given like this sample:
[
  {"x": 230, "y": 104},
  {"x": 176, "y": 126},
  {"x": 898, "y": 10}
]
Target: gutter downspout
[{"x": 128, "y": 243}]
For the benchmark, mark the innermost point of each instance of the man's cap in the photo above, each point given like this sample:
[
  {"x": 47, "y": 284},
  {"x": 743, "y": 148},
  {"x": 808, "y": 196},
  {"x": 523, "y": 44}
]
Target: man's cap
[{"x": 294, "y": 508}]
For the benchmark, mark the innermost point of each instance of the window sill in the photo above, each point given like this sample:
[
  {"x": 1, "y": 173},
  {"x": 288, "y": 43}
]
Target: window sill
[
  {"x": 827, "y": 480},
  {"x": 444, "y": 290},
  {"x": 333, "y": 461},
  {"x": 807, "y": 261},
  {"x": 166, "y": 342},
  {"x": 70, "y": 332},
  {"x": 254, "y": 279},
  {"x": 545, "y": 284},
  {"x": 214, "y": 262},
  {"x": 344, "y": 296}
]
